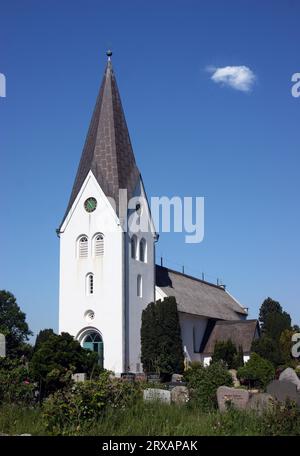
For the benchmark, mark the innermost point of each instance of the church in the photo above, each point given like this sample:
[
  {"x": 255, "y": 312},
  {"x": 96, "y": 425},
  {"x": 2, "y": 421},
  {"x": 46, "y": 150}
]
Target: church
[{"x": 108, "y": 273}]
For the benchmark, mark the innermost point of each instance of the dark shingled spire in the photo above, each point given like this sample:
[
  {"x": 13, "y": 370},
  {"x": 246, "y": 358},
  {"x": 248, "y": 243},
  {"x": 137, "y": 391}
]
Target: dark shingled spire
[{"x": 107, "y": 151}]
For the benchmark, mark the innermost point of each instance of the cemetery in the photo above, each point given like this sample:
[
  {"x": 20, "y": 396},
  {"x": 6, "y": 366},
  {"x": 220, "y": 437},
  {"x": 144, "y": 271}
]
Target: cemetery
[{"x": 56, "y": 387}]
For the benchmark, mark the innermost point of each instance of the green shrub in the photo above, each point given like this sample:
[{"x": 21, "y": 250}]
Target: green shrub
[
  {"x": 16, "y": 386},
  {"x": 192, "y": 375},
  {"x": 238, "y": 360},
  {"x": 204, "y": 382},
  {"x": 226, "y": 351},
  {"x": 56, "y": 358},
  {"x": 73, "y": 408},
  {"x": 257, "y": 372}
]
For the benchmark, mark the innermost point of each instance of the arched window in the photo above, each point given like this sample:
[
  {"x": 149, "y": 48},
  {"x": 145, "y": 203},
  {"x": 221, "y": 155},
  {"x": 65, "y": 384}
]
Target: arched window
[
  {"x": 90, "y": 284},
  {"x": 139, "y": 286},
  {"x": 83, "y": 247},
  {"x": 143, "y": 250},
  {"x": 93, "y": 341},
  {"x": 98, "y": 245},
  {"x": 133, "y": 247}
]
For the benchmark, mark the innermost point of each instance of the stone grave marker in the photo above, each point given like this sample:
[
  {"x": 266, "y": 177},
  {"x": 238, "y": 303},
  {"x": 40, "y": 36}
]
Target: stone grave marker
[
  {"x": 180, "y": 395},
  {"x": 177, "y": 378},
  {"x": 171, "y": 385},
  {"x": 155, "y": 394},
  {"x": 260, "y": 402},
  {"x": 282, "y": 390},
  {"x": 2, "y": 346},
  {"x": 128, "y": 376},
  {"x": 237, "y": 398},
  {"x": 289, "y": 375},
  {"x": 79, "y": 377},
  {"x": 140, "y": 377},
  {"x": 153, "y": 377}
]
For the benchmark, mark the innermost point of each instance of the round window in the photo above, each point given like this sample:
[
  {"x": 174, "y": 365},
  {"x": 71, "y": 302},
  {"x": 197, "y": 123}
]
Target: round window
[{"x": 89, "y": 315}]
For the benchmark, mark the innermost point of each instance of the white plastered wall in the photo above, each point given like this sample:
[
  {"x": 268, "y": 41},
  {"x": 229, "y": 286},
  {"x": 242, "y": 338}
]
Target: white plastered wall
[{"x": 107, "y": 300}]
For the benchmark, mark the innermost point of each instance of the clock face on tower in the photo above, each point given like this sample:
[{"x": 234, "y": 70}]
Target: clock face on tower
[{"x": 90, "y": 204}]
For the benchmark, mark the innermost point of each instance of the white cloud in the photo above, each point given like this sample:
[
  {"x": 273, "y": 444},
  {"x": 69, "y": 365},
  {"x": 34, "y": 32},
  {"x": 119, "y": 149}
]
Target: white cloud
[{"x": 237, "y": 77}]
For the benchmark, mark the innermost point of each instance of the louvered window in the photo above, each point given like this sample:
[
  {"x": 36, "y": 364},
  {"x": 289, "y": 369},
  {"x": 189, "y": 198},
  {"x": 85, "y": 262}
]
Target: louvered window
[
  {"x": 99, "y": 245},
  {"x": 143, "y": 250},
  {"x": 83, "y": 247},
  {"x": 133, "y": 246}
]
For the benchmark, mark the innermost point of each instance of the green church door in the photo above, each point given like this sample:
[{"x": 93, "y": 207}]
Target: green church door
[{"x": 94, "y": 342}]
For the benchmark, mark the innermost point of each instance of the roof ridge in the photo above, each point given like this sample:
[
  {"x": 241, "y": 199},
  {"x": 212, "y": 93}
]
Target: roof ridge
[
  {"x": 220, "y": 287},
  {"x": 230, "y": 322}
]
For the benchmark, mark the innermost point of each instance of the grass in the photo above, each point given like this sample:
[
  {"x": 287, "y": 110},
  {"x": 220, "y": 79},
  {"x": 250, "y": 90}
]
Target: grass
[
  {"x": 16, "y": 420},
  {"x": 171, "y": 420},
  {"x": 149, "y": 419},
  {"x": 156, "y": 419}
]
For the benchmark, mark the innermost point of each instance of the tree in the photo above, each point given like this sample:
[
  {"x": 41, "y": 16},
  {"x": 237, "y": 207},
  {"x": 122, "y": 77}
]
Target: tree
[
  {"x": 276, "y": 323},
  {"x": 42, "y": 337},
  {"x": 273, "y": 319},
  {"x": 56, "y": 358},
  {"x": 161, "y": 343},
  {"x": 238, "y": 360},
  {"x": 286, "y": 344},
  {"x": 225, "y": 351},
  {"x": 267, "y": 307},
  {"x": 268, "y": 348},
  {"x": 13, "y": 324}
]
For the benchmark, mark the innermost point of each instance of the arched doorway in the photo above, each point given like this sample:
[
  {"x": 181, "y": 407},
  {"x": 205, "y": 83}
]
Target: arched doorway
[{"x": 93, "y": 341}]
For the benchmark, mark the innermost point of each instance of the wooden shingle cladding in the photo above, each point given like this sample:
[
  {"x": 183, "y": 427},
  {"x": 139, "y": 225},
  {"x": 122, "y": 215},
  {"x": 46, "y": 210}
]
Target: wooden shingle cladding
[{"x": 107, "y": 151}]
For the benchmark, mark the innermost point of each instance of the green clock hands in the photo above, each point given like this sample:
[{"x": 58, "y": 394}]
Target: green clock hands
[{"x": 90, "y": 204}]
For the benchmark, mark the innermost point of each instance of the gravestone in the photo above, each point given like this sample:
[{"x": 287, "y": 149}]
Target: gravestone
[
  {"x": 260, "y": 402},
  {"x": 140, "y": 377},
  {"x": 79, "y": 377},
  {"x": 2, "y": 346},
  {"x": 128, "y": 376},
  {"x": 154, "y": 394},
  {"x": 180, "y": 395},
  {"x": 177, "y": 378},
  {"x": 172, "y": 385},
  {"x": 282, "y": 390},
  {"x": 153, "y": 377},
  {"x": 289, "y": 375},
  {"x": 234, "y": 397}
]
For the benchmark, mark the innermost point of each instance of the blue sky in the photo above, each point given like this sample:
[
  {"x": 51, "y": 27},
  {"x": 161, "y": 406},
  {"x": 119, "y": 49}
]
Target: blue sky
[{"x": 191, "y": 136}]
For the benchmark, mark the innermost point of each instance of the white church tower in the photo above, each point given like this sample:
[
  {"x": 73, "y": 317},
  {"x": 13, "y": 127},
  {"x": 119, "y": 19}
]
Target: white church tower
[{"x": 107, "y": 273}]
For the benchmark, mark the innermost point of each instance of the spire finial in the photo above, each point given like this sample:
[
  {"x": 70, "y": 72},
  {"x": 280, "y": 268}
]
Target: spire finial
[{"x": 109, "y": 54}]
